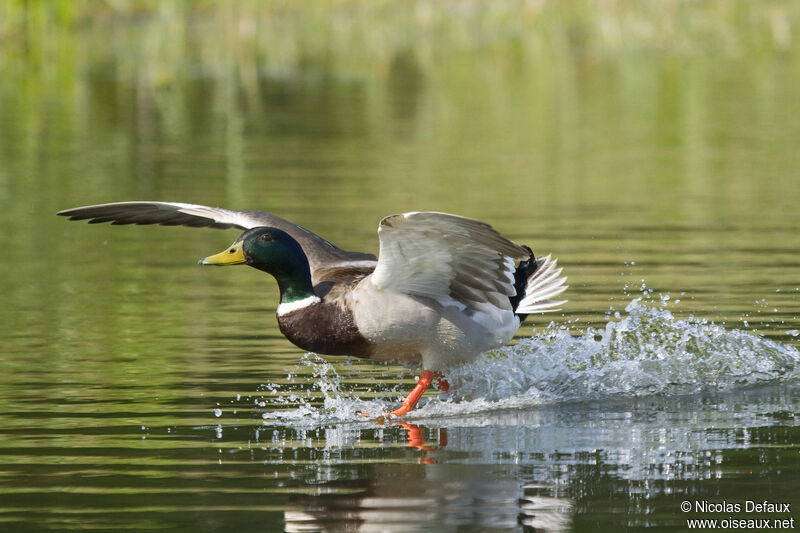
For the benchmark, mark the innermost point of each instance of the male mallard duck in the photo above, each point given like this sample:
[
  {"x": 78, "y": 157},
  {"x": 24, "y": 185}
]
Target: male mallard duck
[{"x": 443, "y": 290}]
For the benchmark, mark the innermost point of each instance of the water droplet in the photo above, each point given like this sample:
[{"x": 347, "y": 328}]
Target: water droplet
[{"x": 218, "y": 412}]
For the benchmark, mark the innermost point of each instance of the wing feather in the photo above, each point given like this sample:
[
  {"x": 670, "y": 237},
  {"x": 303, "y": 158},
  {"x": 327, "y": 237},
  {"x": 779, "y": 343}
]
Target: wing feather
[
  {"x": 441, "y": 255},
  {"x": 169, "y": 213},
  {"x": 321, "y": 253}
]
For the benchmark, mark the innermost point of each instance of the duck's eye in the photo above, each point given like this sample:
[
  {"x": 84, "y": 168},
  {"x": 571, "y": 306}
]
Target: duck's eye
[{"x": 266, "y": 237}]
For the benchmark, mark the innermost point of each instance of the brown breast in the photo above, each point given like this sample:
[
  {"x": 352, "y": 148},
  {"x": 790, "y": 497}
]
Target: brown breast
[{"x": 325, "y": 328}]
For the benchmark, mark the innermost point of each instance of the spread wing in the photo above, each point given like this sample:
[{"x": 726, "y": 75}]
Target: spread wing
[
  {"x": 168, "y": 214},
  {"x": 320, "y": 252},
  {"x": 439, "y": 255}
]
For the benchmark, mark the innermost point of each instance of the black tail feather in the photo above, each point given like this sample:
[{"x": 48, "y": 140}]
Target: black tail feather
[{"x": 524, "y": 271}]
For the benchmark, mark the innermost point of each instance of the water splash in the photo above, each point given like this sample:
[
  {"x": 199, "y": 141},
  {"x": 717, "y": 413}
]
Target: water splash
[{"x": 646, "y": 351}]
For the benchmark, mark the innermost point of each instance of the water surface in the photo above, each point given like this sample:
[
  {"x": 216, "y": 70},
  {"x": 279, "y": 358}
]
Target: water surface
[{"x": 141, "y": 391}]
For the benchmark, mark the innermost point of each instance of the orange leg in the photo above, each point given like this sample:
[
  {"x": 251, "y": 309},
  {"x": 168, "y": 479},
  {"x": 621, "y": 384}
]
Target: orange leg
[{"x": 411, "y": 400}]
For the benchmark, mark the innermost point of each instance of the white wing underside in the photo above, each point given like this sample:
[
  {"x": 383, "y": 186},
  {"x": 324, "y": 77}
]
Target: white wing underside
[{"x": 446, "y": 257}]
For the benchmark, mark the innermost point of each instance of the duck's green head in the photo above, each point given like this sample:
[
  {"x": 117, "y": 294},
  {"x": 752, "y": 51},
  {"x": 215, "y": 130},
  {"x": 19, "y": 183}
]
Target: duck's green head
[{"x": 273, "y": 251}]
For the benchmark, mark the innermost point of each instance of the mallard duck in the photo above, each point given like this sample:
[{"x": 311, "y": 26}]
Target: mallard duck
[{"x": 443, "y": 289}]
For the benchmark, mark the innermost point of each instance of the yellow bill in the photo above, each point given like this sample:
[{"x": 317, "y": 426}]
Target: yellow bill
[{"x": 234, "y": 255}]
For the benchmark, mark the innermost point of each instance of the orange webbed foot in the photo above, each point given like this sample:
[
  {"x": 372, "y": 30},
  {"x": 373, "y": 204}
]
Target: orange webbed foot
[
  {"x": 413, "y": 397},
  {"x": 425, "y": 380}
]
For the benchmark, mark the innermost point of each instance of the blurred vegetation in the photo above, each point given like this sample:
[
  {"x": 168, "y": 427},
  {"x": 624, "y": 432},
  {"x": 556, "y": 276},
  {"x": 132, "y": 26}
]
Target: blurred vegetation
[
  {"x": 152, "y": 41},
  {"x": 423, "y": 67}
]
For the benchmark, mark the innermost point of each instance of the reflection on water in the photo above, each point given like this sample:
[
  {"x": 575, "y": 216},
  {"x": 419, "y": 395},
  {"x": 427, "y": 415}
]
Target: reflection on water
[
  {"x": 656, "y": 158},
  {"x": 430, "y": 497},
  {"x": 654, "y": 438},
  {"x": 538, "y": 467}
]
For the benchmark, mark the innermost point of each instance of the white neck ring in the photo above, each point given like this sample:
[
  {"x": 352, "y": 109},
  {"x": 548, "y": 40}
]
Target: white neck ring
[{"x": 285, "y": 308}]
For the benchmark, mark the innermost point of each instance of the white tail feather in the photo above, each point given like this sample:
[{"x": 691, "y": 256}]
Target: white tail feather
[{"x": 543, "y": 285}]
